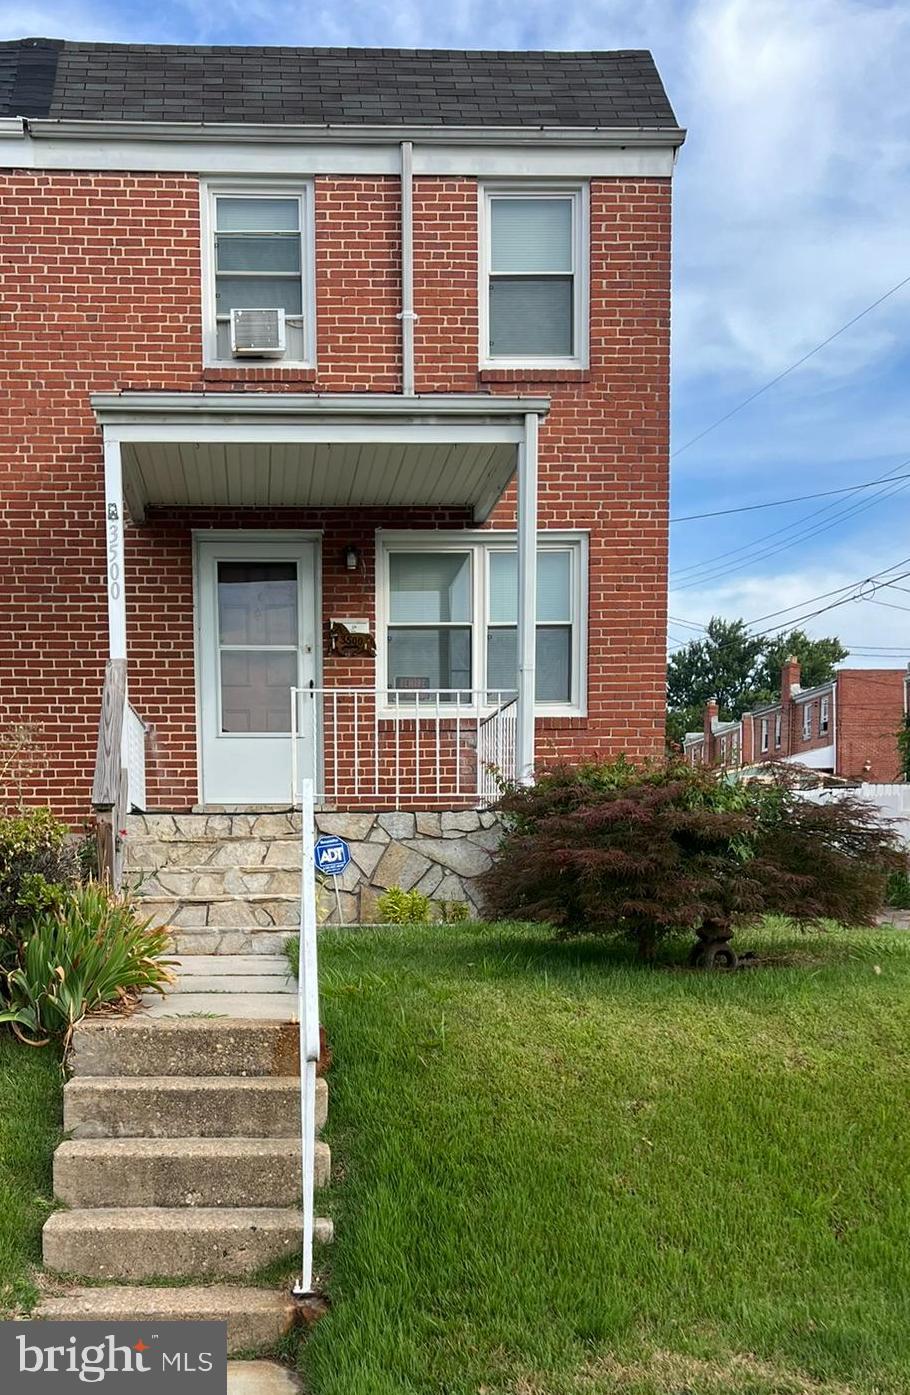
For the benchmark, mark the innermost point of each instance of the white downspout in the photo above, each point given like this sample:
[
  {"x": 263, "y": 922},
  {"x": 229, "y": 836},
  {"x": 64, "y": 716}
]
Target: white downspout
[
  {"x": 406, "y": 314},
  {"x": 527, "y": 601}
]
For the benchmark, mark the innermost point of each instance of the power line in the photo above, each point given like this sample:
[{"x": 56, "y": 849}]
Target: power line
[
  {"x": 790, "y": 369},
  {"x": 796, "y": 620},
  {"x": 777, "y": 503},
  {"x": 709, "y": 564},
  {"x": 839, "y": 517},
  {"x": 888, "y": 605},
  {"x": 835, "y": 591}
]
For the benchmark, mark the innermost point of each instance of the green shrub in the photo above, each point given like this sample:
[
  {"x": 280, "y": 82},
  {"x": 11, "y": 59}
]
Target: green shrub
[
  {"x": 397, "y": 907},
  {"x": 667, "y": 849},
  {"x": 91, "y": 951},
  {"x": 38, "y": 864},
  {"x": 898, "y": 893},
  {"x": 454, "y": 912}
]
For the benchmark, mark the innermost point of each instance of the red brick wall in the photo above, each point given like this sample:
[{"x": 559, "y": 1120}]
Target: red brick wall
[
  {"x": 800, "y": 745},
  {"x": 100, "y": 290},
  {"x": 870, "y": 710}
]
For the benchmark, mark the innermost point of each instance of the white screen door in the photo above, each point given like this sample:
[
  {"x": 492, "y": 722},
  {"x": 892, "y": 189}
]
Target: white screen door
[{"x": 257, "y": 628}]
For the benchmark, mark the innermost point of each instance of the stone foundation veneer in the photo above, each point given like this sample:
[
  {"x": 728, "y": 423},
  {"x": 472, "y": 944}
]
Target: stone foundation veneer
[
  {"x": 229, "y": 883},
  {"x": 441, "y": 855}
]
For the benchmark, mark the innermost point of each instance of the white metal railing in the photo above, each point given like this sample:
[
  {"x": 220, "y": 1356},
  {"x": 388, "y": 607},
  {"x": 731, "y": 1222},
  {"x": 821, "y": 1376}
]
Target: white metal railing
[
  {"x": 496, "y": 750},
  {"x": 134, "y": 741},
  {"x": 402, "y": 747}
]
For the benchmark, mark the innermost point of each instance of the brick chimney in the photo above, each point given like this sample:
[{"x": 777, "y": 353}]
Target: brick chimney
[
  {"x": 747, "y": 739},
  {"x": 710, "y": 719},
  {"x": 789, "y": 684}
]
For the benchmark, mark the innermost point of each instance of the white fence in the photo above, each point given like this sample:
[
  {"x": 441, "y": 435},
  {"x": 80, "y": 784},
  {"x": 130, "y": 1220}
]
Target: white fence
[
  {"x": 402, "y": 749},
  {"x": 892, "y": 801}
]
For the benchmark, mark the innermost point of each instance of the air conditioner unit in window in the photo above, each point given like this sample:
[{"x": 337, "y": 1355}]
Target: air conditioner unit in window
[{"x": 258, "y": 333}]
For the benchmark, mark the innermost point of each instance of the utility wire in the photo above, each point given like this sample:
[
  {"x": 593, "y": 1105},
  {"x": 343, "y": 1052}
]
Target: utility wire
[
  {"x": 835, "y": 591},
  {"x": 710, "y": 563},
  {"x": 794, "y": 621},
  {"x": 791, "y": 368},
  {"x": 839, "y": 517},
  {"x": 778, "y": 503}
]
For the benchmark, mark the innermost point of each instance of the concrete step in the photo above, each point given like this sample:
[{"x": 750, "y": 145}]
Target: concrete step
[
  {"x": 264, "y": 1007},
  {"x": 206, "y": 881},
  {"x": 212, "y": 827},
  {"x": 139, "y": 1244},
  {"x": 233, "y": 983},
  {"x": 183, "y": 1107},
  {"x": 230, "y": 964},
  {"x": 212, "y": 942},
  {"x": 249, "y": 912},
  {"x": 257, "y": 1318},
  {"x": 137, "y": 1046},
  {"x": 140, "y": 1172}
]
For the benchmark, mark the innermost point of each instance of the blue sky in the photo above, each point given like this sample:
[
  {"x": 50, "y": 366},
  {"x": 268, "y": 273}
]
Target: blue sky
[{"x": 792, "y": 214}]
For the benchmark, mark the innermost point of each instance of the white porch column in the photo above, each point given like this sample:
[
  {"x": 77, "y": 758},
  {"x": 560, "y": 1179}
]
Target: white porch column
[
  {"x": 113, "y": 513},
  {"x": 527, "y": 601}
]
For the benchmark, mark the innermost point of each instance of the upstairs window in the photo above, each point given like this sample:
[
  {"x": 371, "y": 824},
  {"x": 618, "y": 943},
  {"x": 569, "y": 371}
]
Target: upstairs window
[
  {"x": 534, "y": 265},
  {"x": 778, "y": 726},
  {"x": 823, "y": 715},
  {"x": 256, "y": 256},
  {"x": 807, "y": 721},
  {"x": 764, "y": 733}
]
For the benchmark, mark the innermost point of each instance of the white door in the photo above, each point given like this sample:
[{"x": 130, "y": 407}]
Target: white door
[{"x": 256, "y": 635}]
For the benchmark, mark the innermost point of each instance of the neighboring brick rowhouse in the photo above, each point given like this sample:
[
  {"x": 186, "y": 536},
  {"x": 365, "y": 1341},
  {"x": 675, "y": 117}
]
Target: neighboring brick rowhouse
[
  {"x": 859, "y": 713},
  {"x": 870, "y": 710},
  {"x": 101, "y": 291}
]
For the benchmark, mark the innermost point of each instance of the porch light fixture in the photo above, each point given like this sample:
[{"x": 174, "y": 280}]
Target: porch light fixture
[{"x": 352, "y": 558}]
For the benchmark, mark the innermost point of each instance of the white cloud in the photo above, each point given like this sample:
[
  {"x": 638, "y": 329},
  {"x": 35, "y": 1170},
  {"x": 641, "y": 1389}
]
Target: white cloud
[
  {"x": 868, "y": 624},
  {"x": 793, "y": 192}
]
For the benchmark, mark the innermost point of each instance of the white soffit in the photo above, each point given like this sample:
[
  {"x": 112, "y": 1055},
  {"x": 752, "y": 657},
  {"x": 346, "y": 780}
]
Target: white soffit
[{"x": 316, "y": 474}]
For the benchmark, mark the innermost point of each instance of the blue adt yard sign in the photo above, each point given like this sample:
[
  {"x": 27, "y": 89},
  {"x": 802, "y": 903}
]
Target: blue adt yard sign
[{"x": 331, "y": 855}]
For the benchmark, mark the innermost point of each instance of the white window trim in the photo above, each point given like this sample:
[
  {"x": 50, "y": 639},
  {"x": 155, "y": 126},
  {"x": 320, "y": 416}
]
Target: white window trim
[
  {"x": 778, "y": 730},
  {"x": 807, "y": 721},
  {"x": 303, "y": 191},
  {"x": 579, "y": 192},
  {"x": 765, "y": 743},
  {"x": 480, "y": 543},
  {"x": 824, "y": 716}
]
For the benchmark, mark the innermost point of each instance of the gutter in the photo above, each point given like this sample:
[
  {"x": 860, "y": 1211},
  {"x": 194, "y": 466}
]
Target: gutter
[
  {"x": 62, "y": 128},
  {"x": 109, "y": 406}
]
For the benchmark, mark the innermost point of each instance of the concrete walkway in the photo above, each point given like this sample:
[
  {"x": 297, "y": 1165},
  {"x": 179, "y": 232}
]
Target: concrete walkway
[
  {"x": 252, "y": 987},
  {"x": 261, "y": 1378}
]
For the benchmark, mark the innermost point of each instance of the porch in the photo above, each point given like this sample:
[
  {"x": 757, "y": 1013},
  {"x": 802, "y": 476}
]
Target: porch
[{"x": 292, "y": 685}]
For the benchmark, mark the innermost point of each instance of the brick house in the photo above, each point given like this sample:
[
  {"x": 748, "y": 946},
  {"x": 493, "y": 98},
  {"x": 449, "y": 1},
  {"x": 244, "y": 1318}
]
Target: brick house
[
  {"x": 846, "y": 727},
  {"x": 340, "y": 374}
]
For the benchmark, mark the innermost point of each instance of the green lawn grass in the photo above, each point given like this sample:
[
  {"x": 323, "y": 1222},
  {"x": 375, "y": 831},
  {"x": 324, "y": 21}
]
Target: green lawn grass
[
  {"x": 560, "y": 1173},
  {"x": 30, "y": 1121}
]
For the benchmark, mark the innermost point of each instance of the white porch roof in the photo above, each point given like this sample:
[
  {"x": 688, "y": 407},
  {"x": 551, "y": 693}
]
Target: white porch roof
[{"x": 309, "y": 450}]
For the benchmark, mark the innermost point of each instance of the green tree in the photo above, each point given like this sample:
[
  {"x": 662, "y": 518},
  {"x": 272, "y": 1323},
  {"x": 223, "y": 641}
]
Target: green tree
[
  {"x": 817, "y": 658},
  {"x": 738, "y": 670}
]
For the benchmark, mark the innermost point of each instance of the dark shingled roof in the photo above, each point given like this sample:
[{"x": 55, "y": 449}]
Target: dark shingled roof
[{"x": 317, "y": 86}]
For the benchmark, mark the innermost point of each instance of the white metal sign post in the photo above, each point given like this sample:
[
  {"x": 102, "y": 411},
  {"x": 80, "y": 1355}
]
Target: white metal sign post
[{"x": 308, "y": 1013}]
